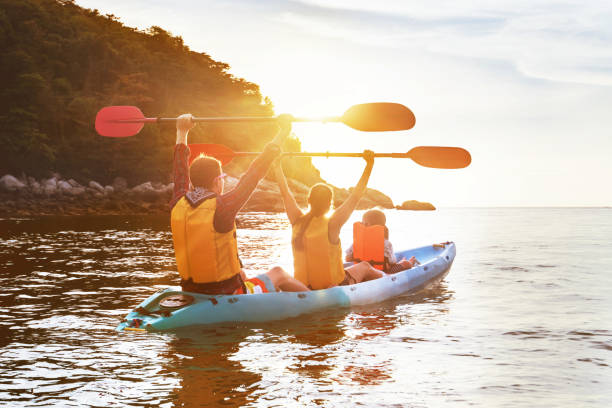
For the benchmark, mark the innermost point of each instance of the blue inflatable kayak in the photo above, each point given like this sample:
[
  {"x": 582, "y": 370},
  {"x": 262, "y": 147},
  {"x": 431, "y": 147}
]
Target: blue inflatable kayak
[{"x": 171, "y": 308}]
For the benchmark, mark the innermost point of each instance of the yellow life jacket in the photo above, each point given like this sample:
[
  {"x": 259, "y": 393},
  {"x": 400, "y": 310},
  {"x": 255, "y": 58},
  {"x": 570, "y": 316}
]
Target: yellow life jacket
[
  {"x": 319, "y": 263},
  {"x": 202, "y": 254},
  {"x": 369, "y": 244}
]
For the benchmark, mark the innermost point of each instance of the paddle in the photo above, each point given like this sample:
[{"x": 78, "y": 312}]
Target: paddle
[
  {"x": 124, "y": 121},
  {"x": 436, "y": 157}
]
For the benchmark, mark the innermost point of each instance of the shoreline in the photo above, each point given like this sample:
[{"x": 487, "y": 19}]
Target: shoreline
[{"x": 26, "y": 196}]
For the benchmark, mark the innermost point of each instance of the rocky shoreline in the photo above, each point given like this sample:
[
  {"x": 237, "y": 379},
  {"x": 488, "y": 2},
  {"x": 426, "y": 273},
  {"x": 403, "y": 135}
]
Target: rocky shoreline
[{"x": 27, "y": 196}]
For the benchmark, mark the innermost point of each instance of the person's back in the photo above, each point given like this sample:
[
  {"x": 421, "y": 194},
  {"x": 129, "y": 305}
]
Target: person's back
[
  {"x": 203, "y": 222},
  {"x": 204, "y": 255},
  {"x": 371, "y": 244},
  {"x": 368, "y": 245},
  {"x": 317, "y": 252},
  {"x": 317, "y": 262}
]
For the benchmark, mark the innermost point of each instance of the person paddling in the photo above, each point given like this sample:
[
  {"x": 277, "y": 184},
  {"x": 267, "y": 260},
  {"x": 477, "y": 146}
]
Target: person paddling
[
  {"x": 317, "y": 252},
  {"x": 203, "y": 220}
]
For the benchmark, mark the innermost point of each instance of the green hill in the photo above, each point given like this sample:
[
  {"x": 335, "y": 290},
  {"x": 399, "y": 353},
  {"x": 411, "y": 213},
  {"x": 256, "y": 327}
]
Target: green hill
[{"x": 61, "y": 63}]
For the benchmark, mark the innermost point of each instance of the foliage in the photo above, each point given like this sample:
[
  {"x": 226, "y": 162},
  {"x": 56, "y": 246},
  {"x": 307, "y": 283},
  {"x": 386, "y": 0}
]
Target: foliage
[{"x": 61, "y": 63}]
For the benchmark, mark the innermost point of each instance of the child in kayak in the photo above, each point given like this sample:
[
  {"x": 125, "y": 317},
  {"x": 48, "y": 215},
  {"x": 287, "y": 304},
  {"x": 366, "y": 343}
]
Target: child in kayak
[
  {"x": 389, "y": 263},
  {"x": 317, "y": 253}
]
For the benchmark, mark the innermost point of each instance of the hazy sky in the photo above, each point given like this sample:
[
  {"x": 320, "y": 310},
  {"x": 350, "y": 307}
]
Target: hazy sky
[{"x": 525, "y": 86}]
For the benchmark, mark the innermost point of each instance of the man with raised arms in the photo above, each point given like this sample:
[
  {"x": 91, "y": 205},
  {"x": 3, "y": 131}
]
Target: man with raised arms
[{"x": 203, "y": 220}]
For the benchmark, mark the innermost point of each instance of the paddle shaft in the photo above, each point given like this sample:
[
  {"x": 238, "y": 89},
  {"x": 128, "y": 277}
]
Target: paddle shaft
[
  {"x": 428, "y": 156},
  {"x": 228, "y": 119},
  {"x": 328, "y": 154}
]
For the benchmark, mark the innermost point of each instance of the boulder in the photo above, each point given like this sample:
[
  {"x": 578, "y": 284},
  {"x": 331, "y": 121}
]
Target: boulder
[
  {"x": 379, "y": 198},
  {"x": 297, "y": 187},
  {"x": 108, "y": 190},
  {"x": 32, "y": 182},
  {"x": 143, "y": 188},
  {"x": 77, "y": 191},
  {"x": 416, "y": 206},
  {"x": 10, "y": 183},
  {"x": 262, "y": 200},
  {"x": 49, "y": 186},
  {"x": 120, "y": 184},
  {"x": 63, "y": 186},
  {"x": 168, "y": 189},
  {"x": 74, "y": 183},
  {"x": 146, "y": 191},
  {"x": 96, "y": 186}
]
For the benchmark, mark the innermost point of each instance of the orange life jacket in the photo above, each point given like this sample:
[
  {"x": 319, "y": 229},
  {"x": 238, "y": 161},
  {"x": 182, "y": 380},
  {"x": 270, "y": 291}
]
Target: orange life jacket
[
  {"x": 369, "y": 245},
  {"x": 202, "y": 254}
]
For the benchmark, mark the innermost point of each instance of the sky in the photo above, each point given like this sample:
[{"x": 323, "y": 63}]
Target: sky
[{"x": 525, "y": 86}]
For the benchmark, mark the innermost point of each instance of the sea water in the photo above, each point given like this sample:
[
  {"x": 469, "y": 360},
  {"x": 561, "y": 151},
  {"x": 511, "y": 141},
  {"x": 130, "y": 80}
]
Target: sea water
[{"x": 523, "y": 319}]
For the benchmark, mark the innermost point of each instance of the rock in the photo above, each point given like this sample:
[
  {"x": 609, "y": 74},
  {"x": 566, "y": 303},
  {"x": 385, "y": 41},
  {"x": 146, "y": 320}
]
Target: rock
[
  {"x": 96, "y": 186},
  {"x": 168, "y": 189},
  {"x": 143, "y": 188},
  {"x": 146, "y": 191},
  {"x": 109, "y": 190},
  {"x": 379, "y": 198},
  {"x": 77, "y": 191},
  {"x": 120, "y": 184},
  {"x": 74, "y": 183},
  {"x": 297, "y": 187},
  {"x": 64, "y": 186},
  {"x": 52, "y": 182},
  {"x": 416, "y": 206},
  {"x": 10, "y": 183},
  {"x": 264, "y": 201},
  {"x": 49, "y": 186}
]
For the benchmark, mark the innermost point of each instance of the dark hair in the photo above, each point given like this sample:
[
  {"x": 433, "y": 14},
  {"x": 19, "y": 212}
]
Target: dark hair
[
  {"x": 320, "y": 199},
  {"x": 376, "y": 217},
  {"x": 204, "y": 170}
]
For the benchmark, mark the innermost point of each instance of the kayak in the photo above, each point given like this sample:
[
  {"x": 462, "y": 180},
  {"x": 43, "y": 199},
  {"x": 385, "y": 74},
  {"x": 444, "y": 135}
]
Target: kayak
[{"x": 172, "y": 309}]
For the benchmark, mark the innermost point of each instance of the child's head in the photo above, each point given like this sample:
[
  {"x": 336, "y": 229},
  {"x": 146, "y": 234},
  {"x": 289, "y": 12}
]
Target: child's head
[{"x": 375, "y": 217}]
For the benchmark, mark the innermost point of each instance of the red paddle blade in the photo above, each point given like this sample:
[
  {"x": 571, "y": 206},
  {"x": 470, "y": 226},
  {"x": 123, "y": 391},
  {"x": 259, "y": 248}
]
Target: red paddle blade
[
  {"x": 441, "y": 157},
  {"x": 379, "y": 117},
  {"x": 119, "y": 121},
  {"x": 222, "y": 153}
]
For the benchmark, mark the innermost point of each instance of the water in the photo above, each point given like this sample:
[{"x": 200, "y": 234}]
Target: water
[{"x": 522, "y": 320}]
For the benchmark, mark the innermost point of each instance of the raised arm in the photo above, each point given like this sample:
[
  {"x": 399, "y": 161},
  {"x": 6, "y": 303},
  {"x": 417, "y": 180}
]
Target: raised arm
[
  {"x": 293, "y": 211},
  {"x": 180, "y": 173},
  {"x": 231, "y": 202},
  {"x": 342, "y": 213}
]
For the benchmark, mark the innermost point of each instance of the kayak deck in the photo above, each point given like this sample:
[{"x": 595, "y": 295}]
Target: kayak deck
[{"x": 150, "y": 315}]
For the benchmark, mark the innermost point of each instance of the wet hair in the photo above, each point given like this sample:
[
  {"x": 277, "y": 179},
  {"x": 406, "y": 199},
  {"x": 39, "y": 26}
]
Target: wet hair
[
  {"x": 320, "y": 199},
  {"x": 375, "y": 217},
  {"x": 204, "y": 170}
]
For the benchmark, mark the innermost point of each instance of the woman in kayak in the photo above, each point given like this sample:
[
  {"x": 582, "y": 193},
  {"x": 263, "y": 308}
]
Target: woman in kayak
[
  {"x": 387, "y": 258},
  {"x": 317, "y": 254},
  {"x": 203, "y": 221}
]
